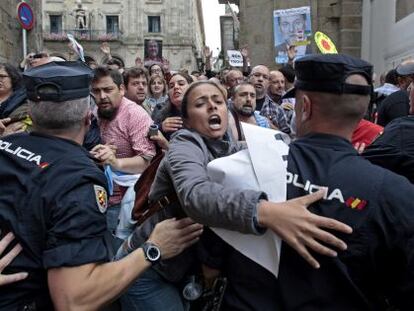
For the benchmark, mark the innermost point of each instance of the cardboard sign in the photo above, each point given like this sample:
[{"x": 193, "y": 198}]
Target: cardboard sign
[
  {"x": 250, "y": 169},
  {"x": 235, "y": 58}
]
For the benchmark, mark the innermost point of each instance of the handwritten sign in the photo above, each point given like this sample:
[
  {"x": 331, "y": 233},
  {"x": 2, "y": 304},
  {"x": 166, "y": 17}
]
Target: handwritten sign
[{"x": 235, "y": 58}]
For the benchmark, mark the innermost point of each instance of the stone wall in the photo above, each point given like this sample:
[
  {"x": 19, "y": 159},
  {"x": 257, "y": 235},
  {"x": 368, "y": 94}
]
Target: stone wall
[
  {"x": 11, "y": 46},
  {"x": 182, "y": 32},
  {"x": 341, "y": 20}
]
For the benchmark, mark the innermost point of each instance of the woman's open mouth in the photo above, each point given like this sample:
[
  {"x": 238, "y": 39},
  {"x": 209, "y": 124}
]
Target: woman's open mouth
[{"x": 214, "y": 122}]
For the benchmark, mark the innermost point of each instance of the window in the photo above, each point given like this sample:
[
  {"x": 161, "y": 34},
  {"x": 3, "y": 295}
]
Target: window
[
  {"x": 403, "y": 9},
  {"x": 55, "y": 23},
  {"x": 112, "y": 24},
  {"x": 154, "y": 24}
]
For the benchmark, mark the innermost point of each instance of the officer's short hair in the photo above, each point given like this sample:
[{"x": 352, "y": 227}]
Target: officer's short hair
[
  {"x": 67, "y": 115},
  {"x": 103, "y": 71}
]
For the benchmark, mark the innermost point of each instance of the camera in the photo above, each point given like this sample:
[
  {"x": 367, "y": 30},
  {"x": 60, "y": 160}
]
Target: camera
[{"x": 153, "y": 130}]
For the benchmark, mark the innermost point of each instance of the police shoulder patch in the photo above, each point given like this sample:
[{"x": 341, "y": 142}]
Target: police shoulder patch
[{"x": 101, "y": 198}]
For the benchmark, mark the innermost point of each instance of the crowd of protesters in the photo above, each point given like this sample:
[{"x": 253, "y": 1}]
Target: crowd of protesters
[{"x": 349, "y": 246}]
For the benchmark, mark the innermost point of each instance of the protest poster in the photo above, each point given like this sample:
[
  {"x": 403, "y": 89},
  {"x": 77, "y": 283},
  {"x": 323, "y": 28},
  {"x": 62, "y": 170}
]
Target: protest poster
[
  {"x": 292, "y": 27},
  {"x": 235, "y": 58}
]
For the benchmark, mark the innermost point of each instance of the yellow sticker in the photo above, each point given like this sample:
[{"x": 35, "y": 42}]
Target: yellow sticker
[{"x": 325, "y": 44}]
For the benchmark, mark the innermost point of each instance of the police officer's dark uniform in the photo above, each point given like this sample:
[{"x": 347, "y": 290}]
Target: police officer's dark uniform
[
  {"x": 397, "y": 104},
  {"x": 394, "y": 149},
  {"x": 378, "y": 204},
  {"x": 52, "y": 194}
]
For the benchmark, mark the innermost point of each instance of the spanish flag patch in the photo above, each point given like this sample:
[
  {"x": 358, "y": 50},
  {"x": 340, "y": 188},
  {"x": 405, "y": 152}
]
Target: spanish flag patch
[{"x": 356, "y": 203}]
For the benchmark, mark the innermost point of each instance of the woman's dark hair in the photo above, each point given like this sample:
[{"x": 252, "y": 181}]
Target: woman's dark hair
[
  {"x": 14, "y": 74},
  {"x": 184, "y": 75},
  {"x": 184, "y": 103}
]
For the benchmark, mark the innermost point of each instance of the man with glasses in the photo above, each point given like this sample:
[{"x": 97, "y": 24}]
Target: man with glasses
[
  {"x": 233, "y": 78},
  {"x": 259, "y": 78}
]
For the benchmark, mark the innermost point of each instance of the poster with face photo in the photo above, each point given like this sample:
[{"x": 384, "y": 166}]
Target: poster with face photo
[
  {"x": 292, "y": 27},
  {"x": 152, "y": 52}
]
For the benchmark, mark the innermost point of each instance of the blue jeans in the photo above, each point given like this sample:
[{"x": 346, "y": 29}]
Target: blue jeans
[
  {"x": 112, "y": 214},
  {"x": 150, "y": 292}
]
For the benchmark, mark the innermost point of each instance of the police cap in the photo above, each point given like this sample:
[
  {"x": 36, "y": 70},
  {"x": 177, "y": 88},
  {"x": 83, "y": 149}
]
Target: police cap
[
  {"x": 406, "y": 68},
  {"x": 58, "y": 81},
  {"x": 327, "y": 73}
]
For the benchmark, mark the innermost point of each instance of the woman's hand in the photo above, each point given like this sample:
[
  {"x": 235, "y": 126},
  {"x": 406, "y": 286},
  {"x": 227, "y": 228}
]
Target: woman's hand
[
  {"x": 172, "y": 124},
  {"x": 301, "y": 229},
  {"x": 173, "y": 236},
  {"x": 7, "y": 259}
]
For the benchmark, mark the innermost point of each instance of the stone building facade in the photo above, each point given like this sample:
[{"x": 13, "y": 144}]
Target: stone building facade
[
  {"x": 229, "y": 32},
  {"x": 11, "y": 46},
  {"x": 127, "y": 26},
  {"x": 341, "y": 20}
]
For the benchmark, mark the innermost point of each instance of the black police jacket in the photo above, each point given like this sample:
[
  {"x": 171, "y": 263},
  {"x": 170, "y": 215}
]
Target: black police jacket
[
  {"x": 393, "y": 106},
  {"x": 52, "y": 198},
  {"x": 394, "y": 149},
  {"x": 378, "y": 265}
]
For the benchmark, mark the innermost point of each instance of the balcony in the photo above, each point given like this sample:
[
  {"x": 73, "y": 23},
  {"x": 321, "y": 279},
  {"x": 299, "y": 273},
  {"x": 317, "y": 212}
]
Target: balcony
[
  {"x": 236, "y": 2},
  {"x": 82, "y": 35}
]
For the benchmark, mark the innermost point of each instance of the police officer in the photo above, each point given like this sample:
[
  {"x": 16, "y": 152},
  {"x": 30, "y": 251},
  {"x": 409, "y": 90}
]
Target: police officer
[
  {"x": 394, "y": 149},
  {"x": 332, "y": 94},
  {"x": 53, "y": 199}
]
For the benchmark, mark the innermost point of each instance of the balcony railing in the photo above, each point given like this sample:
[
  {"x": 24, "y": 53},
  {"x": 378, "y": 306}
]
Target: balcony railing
[{"x": 82, "y": 35}]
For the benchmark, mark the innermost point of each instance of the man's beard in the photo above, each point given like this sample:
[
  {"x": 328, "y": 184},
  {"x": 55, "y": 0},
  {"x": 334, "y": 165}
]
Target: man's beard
[
  {"x": 108, "y": 114},
  {"x": 246, "y": 111}
]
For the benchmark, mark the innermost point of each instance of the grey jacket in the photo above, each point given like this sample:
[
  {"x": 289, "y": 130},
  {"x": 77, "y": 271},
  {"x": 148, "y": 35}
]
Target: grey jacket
[{"x": 184, "y": 171}]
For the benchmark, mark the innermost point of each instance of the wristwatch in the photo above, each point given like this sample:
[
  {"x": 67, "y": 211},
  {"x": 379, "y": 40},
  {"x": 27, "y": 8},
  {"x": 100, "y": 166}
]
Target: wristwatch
[{"x": 151, "y": 252}]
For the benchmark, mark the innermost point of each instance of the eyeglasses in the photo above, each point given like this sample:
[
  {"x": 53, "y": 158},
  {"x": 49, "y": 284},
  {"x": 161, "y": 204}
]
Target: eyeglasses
[{"x": 2, "y": 77}]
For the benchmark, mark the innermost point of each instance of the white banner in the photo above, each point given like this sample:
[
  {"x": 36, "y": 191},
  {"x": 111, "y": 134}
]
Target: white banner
[
  {"x": 76, "y": 46},
  {"x": 261, "y": 167}
]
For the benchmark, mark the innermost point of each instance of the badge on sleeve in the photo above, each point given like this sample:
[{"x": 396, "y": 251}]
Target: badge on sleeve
[{"x": 101, "y": 198}]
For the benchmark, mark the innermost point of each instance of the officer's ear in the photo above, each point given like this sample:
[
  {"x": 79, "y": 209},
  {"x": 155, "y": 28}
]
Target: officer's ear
[
  {"x": 88, "y": 119},
  {"x": 306, "y": 108}
]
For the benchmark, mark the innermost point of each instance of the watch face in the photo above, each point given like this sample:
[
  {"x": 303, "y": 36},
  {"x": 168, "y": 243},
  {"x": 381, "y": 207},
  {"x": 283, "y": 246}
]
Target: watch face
[{"x": 153, "y": 253}]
